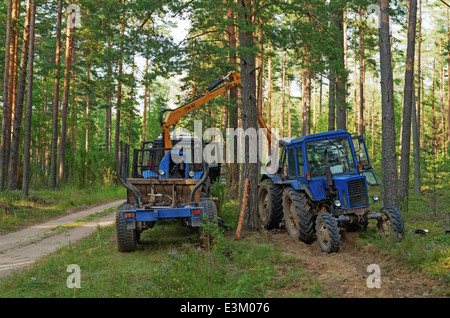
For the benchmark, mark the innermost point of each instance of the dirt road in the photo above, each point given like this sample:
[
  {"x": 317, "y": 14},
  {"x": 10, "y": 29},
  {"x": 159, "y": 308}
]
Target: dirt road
[
  {"x": 345, "y": 274},
  {"x": 21, "y": 248}
]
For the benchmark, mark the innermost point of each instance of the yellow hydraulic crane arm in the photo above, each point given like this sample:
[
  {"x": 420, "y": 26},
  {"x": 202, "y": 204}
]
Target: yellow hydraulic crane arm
[{"x": 232, "y": 79}]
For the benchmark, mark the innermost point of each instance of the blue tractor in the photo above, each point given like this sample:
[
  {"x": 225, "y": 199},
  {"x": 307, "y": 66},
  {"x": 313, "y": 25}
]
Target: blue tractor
[
  {"x": 321, "y": 185},
  {"x": 165, "y": 185}
]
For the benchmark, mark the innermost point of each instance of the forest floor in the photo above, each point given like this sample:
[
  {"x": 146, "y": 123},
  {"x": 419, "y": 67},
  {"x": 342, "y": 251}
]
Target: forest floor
[{"x": 344, "y": 274}]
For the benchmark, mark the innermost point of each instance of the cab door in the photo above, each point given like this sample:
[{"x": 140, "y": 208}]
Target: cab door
[{"x": 362, "y": 156}]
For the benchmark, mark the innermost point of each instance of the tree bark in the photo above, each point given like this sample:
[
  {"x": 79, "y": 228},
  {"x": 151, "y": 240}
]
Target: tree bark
[
  {"x": 249, "y": 109},
  {"x": 65, "y": 106},
  {"x": 144, "y": 124},
  {"x": 408, "y": 96},
  {"x": 6, "y": 97},
  {"x": 119, "y": 89},
  {"x": 54, "y": 145},
  {"x": 388, "y": 158},
  {"x": 341, "y": 76},
  {"x": 233, "y": 174},
  {"x": 283, "y": 92},
  {"x": 332, "y": 101},
  {"x": 15, "y": 143},
  {"x": 306, "y": 98},
  {"x": 26, "y": 151},
  {"x": 269, "y": 92},
  {"x": 362, "y": 72}
]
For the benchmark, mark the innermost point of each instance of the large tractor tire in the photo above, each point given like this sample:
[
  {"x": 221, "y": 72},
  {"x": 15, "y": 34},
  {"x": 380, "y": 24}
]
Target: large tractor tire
[
  {"x": 327, "y": 232},
  {"x": 299, "y": 220},
  {"x": 209, "y": 225},
  {"x": 270, "y": 204},
  {"x": 126, "y": 239},
  {"x": 391, "y": 222}
]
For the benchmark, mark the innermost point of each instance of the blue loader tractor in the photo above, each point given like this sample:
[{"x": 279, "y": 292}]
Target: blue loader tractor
[
  {"x": 321, "y": 185},
  {"x": 162, "y": 188}
]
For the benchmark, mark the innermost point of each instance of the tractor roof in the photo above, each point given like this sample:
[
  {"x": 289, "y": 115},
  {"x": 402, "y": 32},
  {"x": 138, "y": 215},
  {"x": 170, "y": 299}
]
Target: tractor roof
[{"x": 328, "y": 134}]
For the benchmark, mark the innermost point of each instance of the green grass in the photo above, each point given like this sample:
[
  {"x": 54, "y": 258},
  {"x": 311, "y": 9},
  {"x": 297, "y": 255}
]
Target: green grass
[
  {"x": 168, "y": 263},
  {"x": 17, "y": 211}
]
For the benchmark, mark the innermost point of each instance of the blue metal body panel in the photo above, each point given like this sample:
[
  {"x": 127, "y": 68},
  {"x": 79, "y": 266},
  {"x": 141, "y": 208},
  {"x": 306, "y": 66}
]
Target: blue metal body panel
[{"x": 156, "y": 213}]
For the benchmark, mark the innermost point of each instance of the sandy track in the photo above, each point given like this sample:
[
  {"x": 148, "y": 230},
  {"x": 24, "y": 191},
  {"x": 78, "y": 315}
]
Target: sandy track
[
  {"x": 21, "y": 248},
  {"x": 344, "y": 274}
]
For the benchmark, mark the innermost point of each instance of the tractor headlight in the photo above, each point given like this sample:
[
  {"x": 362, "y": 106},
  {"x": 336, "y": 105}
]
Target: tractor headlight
[
  {"x": 191, "y": 173},
  {"x": 375, "y": 197},
  {"x": 337, "y": 203},
  {"x": 161, "y": 172}
]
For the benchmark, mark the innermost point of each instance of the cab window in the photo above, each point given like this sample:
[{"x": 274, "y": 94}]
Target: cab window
[
  {"x": 300, "y": 162},
  {"x": 291, "y": 162}
]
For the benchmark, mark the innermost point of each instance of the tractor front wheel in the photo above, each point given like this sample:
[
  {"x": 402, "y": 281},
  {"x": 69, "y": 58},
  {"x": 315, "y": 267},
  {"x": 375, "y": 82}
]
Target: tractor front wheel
[
  {"x": 327, "y": 232},
  {"x": 391, "y": 221}
]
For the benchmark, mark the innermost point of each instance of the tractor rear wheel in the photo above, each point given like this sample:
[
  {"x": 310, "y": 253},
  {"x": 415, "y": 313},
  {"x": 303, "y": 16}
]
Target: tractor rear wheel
[
  {"x": 126, "y": 239},
  {"x": 327, "y": 232},
  {"x": 270, "y": 204},
  {"x": 391, "y": 221},
  {"x": 298, "y": 218},
  {"x": 209, "y": 224}
]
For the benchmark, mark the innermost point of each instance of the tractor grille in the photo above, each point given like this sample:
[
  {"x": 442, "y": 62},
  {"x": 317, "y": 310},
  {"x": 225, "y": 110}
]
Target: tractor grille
[{"x": 357, "y": 193}]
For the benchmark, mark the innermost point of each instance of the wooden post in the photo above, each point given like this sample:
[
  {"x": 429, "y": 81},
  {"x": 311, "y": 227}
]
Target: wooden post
[{"x": 242, "y": 213}]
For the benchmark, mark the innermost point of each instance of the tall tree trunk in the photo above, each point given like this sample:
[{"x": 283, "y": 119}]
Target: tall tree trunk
[
  {"x": 441, "y": 86},
  {"x": 6, "y": 98},
  {"x": 233, "y": 174},
  {"x": 65, "y": 106},
  {"x": 373, "y": 116},
  {"x": 332, "y": 101},
  {"x": 269, "y": 92},
  {"x": 448, "y": 78},
  {"x": 306, "y": 97},
  {"x": 283, "y": 92},
  {"x": 119, "y": 88},
  {"x": 249, "y": 110},
  {"x": 14, "y": 155},
  {"x": 289, "y": 110},
  {"x": 416, "y": 147},
  {"x": 355, "y": 96},
  {"x": 314, "y": 105},
  {"x": 345, "y": 47},
  {"x": 144, "y": 124},
  {"x": 408, "y": 96},
  {"x": 341, "y": 76},
  {"x": 362, "y": 73},
  {"x": 88, "y": 78},
  {"x": 54, "y": 145},
  {"x": 108, "y": 109},
  {"x": 26, "y": 150},
  {"x": 388, "y": 158}
]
